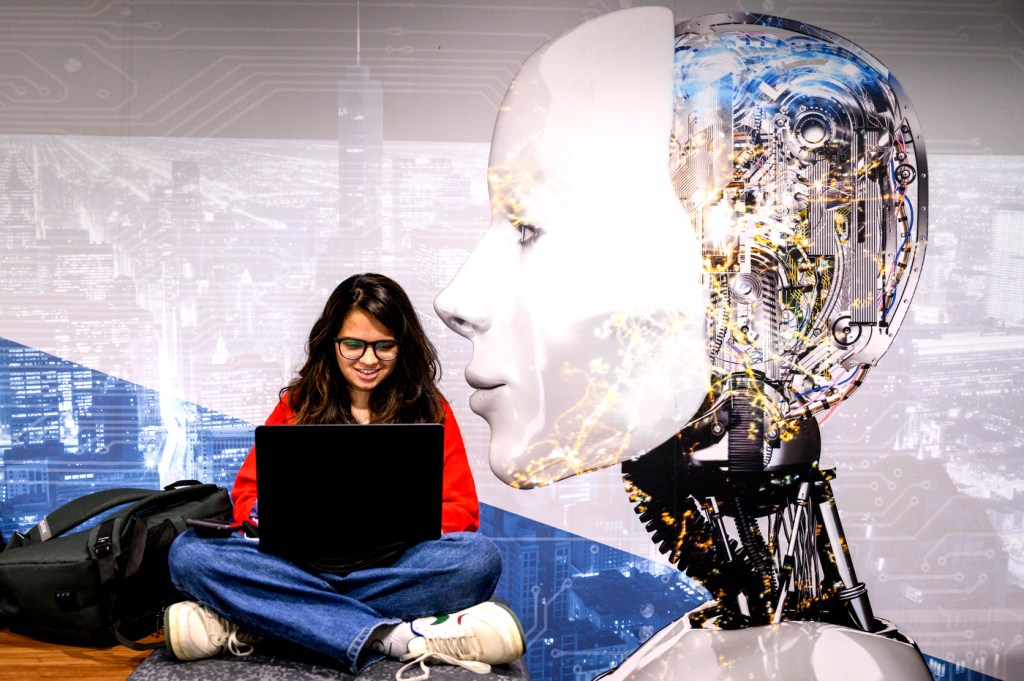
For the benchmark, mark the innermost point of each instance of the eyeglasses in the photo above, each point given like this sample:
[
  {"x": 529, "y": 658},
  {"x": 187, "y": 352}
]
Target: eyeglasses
[{"x": 355, "y": 348}]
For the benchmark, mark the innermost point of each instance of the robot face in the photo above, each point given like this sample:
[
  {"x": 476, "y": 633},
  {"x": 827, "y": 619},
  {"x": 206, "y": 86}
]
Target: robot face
[
  {"x": 797, "y": 159},
  {"x": 583, "y": 298}
]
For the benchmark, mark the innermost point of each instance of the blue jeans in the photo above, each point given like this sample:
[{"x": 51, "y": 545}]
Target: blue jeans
[{"x": 336, "y": 615}]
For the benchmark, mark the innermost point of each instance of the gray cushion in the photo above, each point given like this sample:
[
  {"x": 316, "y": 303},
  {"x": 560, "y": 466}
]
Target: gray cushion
[{"x": 160, "y": 666}]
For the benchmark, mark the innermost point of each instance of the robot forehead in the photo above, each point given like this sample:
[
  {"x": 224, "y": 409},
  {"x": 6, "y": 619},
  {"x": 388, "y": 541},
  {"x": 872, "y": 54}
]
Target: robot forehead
[{"x": 798, "y": 160}]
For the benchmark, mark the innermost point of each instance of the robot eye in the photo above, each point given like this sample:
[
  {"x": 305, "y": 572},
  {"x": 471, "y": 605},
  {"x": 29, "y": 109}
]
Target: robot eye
[{"x": 527, "y": 232}]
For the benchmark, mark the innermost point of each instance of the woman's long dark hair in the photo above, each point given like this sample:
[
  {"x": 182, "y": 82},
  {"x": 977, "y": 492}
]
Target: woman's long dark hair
[{"x": 319, "y": 394}]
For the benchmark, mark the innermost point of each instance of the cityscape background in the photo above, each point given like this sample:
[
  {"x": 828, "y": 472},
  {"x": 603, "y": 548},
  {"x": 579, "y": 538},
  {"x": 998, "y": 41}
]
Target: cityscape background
[
  {"x": 207, "y": 273},
  {"x": 165, "y": 246}
]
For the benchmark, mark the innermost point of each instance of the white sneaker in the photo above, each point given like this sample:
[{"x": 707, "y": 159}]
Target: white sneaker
[
  {"x": 475, "y": 638},
  {"x": 195, "y": 633}
]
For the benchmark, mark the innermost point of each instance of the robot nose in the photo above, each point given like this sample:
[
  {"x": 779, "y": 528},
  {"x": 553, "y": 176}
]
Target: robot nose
[{"x": 464, "y": 314}]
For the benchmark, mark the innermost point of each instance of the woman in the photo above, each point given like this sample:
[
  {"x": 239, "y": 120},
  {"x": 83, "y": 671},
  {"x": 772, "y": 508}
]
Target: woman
[{"x": 369, "y": 361}]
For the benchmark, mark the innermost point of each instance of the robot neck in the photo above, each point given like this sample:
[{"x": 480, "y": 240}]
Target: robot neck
[{"x": 737, "y": 436}]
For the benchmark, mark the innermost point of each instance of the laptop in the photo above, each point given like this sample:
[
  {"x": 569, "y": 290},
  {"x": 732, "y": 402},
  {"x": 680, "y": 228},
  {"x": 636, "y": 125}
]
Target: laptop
[{"x": 337, "y": 498}]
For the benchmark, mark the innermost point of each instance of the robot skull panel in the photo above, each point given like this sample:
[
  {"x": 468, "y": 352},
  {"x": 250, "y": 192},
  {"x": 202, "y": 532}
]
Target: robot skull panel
[{"x": 797, "y": 158}]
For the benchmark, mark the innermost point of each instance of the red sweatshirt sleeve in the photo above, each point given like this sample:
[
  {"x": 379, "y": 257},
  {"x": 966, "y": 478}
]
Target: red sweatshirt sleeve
[
  {"x": 243, "y": 493},
  {"x": 460, "y": 511}
]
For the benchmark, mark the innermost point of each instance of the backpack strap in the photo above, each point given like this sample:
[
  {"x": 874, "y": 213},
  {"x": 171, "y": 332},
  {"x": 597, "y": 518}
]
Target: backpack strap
[
  {"x": 78, "y": 511},
  {"x": 182, "y": 483},
  {"x": 135, "y": 645},
  {"x": 103, "y": 548}
]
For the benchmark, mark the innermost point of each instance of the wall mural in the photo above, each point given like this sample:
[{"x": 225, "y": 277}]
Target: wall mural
[{"x": 156, "y": 283}]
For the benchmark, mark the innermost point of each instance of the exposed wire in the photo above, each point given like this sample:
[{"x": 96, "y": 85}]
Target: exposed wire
[
  {"x": 843, "y": 396},
  {"x": 846, "y": 380}
]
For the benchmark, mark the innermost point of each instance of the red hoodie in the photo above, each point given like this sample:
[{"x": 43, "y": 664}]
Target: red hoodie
[{"x": 460, "y": 511}]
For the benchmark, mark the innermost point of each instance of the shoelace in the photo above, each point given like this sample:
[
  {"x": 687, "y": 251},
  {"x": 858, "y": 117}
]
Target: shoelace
[
  {"x": 459, "y": 642},
  {"x": 471, "y": 665},
  {"x": 240, "y": 642},
  {"x": 237, "y": 642}
]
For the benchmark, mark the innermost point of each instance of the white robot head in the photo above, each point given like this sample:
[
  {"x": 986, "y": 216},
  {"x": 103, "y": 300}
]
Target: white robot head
[{"x": 724, "y": 214}]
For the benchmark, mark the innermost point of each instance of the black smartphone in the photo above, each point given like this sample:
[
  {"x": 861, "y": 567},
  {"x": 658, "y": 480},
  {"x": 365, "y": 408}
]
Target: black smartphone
[{"x": 220, "y": 528}]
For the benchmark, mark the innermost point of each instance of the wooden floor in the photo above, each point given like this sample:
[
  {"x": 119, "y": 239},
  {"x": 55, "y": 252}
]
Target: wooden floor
[{"x": 25, "y": 659}]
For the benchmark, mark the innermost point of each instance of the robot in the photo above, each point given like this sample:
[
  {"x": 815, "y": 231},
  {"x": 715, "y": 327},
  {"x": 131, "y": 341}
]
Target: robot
[
  {"x": 703, "y": 237},
  {"x": 799, "y": 160}
]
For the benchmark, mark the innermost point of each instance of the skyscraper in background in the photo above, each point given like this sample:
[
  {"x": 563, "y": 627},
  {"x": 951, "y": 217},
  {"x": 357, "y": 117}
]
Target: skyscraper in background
[
  {"x": 1004, "y": 301},
  {"x": 18, "y": 214},
  {"x": 360, "y": 163}
]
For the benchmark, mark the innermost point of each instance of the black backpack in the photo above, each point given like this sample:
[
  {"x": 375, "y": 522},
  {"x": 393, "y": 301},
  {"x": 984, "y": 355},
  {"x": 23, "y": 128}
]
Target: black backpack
[{"x": 108, "y": 584}]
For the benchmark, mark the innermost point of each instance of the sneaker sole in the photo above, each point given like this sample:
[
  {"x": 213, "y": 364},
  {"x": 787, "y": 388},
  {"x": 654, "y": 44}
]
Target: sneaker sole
[{"x": 171, "y": 631}]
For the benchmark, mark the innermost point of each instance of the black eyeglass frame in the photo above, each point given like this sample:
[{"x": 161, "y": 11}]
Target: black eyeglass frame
[{"x": 367, "y": 344}]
